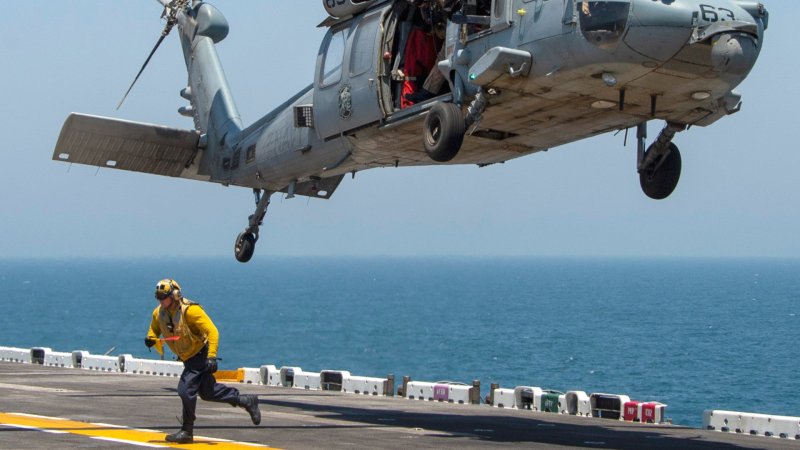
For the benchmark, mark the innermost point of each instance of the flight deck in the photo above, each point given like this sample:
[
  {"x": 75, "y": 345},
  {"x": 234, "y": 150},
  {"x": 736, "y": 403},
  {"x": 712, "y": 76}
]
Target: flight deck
[{"x": 55, "y": 407}]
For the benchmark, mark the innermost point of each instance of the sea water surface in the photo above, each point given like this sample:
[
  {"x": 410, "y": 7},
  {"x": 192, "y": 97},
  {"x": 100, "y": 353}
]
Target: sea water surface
[{"x": 692, "y": 333}]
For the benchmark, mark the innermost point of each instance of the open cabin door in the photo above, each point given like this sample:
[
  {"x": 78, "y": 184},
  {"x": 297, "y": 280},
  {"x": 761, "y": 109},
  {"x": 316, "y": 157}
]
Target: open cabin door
[{"x": 346, "y": 82}]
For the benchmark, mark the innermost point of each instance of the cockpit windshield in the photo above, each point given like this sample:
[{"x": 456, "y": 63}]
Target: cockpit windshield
[{"x": 603, "y": 22}]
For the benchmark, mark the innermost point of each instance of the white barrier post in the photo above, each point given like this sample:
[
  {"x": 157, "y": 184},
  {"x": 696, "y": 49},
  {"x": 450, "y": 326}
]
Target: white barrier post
[
  {"x": 100, "y": 362},
  {"x": 786, "y": 427},
  {"x": 364, "y": 385},
  {"x": 421, "y": 390},
  {"x": 129, "y": 364},
  {"x": 77, "y": 358},
  {"x": 287, "y": 375},
  {"x": 307, "y": 380},
  {"x": 37, "y": 354},
  {"x": 504, "y": 398},
  {"x": 14, "y": 354},
  {"x": 333, "y": 380},
  {"x": 783, "y": 427},
  {"x": 270, "y": 375},
  {"x": 528, "y": 397},
  {"x": 562, "y": 404},
  {"x": 578, "y": 404},
  {"x": 452, "y": 393},
  {"x": 726, "y": 421},
  {"x": 58, "y": 359},
  {"x": 251, "y": 375}
]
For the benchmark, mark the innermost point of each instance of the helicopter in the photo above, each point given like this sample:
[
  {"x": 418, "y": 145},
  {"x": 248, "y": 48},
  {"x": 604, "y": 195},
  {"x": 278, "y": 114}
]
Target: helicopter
[{"x": 403, "y": 83}]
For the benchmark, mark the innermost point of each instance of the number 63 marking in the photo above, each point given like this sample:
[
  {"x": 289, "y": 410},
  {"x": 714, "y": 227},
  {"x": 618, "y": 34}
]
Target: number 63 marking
[{"x": 714, "y": 14}]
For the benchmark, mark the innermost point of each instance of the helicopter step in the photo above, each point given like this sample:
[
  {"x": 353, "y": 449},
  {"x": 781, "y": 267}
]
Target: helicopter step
[{"x": 660, "y": 166}]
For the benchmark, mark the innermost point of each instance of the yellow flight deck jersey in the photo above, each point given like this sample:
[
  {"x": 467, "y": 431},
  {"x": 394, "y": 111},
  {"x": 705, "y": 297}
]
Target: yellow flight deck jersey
[{"x": 190, "y": 324}]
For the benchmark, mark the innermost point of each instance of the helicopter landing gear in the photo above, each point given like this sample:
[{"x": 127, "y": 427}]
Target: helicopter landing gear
[
  {"x": 245, "y": 246},
  {"x": 246, "y": 241},
  {"x": 444, "y": 131},
  {"x": 445, "y": 127},
  {"x": 660, "y": 166}
]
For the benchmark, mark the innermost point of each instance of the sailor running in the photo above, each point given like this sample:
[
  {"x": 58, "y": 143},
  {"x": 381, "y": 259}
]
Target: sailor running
[{"x": 192, "y": 336}]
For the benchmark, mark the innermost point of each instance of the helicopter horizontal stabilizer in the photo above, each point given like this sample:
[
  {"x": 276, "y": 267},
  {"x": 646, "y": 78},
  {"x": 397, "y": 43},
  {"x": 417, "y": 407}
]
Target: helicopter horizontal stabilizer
[{"x": 121, "y": 144}]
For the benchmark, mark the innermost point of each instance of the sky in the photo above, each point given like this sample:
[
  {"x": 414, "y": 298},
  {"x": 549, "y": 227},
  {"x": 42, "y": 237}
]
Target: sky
[{"x": 738, "y": 194}]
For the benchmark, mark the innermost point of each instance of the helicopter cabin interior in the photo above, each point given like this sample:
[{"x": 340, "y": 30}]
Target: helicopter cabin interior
[{"x": 381, "y": 62}]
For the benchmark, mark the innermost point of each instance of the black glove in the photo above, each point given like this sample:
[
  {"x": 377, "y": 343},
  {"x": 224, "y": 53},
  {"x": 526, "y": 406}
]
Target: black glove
[
  {"x": 149, "y": 342},
  {"x": 211, "y": 365}
]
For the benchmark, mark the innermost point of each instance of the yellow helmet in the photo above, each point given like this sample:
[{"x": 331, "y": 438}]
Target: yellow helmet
[{"x": 168, "y": 287}]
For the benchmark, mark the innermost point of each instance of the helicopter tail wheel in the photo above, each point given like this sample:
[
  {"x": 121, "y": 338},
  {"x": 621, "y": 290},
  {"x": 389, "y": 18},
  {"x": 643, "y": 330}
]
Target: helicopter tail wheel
[
  {"x": 659, "y": 181},
  {"x": 444, "y": 131},
  {"x": 245, "y": 246}
]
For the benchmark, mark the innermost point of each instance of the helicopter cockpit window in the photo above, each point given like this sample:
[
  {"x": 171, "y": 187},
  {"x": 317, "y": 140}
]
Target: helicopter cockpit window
[
  {"x": 481, "y": 13},
  {"x": 603, "y": 22},
  {"x": 334, "y": 55}
]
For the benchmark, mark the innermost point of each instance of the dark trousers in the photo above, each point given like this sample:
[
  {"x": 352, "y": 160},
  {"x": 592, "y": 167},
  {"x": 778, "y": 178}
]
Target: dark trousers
[{"x": 195, "y": 380}]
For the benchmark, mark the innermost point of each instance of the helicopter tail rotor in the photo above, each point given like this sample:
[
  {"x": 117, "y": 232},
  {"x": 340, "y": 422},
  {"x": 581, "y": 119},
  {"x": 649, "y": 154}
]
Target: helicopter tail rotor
[{"x": 170, "y": 13}]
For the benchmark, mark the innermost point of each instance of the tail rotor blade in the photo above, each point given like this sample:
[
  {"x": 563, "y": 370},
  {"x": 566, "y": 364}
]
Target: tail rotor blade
[
  {"x": 171, "y": 10},
  {"x": 152, "y": 52}
]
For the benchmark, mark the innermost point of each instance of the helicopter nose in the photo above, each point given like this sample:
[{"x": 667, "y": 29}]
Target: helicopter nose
[
  {"x": 693, "y": 38},
  {"x": 733, "y": 54}
]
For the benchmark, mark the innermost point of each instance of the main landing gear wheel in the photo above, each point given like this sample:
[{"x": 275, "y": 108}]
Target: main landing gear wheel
[
  {"x": 245, "y": 246},
  {"x": 444, "y": 131},
  {"x": 659, "y": 182},
  {"x": 246, "y": 241}
]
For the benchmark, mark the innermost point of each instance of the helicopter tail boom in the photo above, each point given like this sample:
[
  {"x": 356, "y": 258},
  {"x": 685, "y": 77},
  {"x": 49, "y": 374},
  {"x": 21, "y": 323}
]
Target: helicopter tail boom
[{"x": 212, "y": 105}]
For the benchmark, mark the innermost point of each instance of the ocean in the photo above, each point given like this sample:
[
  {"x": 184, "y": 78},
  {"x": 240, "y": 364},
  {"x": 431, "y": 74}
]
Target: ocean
[{"x": 692, "y": 333}]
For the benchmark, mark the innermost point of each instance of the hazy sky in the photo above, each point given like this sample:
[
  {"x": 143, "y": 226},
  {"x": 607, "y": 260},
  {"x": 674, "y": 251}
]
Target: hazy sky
[{"x": 737, "y": 196}]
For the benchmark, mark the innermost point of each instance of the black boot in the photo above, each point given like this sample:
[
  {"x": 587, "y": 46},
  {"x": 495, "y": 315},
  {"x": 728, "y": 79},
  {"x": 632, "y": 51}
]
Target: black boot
[
  {"x": 420, "y": 96},
  {"x": 181, "y": 437},
  {"x": 250, "y": 403}
]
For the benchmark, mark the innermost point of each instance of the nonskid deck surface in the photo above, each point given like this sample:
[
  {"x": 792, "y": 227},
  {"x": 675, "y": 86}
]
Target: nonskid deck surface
[{"x": 48, "y": 407}]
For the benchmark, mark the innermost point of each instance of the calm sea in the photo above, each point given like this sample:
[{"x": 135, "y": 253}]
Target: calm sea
[{"x": 695, "y": 334}]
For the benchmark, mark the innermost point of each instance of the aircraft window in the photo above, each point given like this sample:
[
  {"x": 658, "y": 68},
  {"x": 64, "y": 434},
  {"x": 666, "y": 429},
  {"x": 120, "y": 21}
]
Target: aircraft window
[
  {"x": 334, "y": 54},
  {"x": 482, "y": 8},
  {"x": 362, "y": 54},
  {"x": 603, "y": 22}
]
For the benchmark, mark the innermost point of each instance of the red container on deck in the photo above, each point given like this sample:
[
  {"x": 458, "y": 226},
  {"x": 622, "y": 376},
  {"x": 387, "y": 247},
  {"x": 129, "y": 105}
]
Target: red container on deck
[
  {"x": 631, "y": 411},
  {"x": 653, "y": 412}
]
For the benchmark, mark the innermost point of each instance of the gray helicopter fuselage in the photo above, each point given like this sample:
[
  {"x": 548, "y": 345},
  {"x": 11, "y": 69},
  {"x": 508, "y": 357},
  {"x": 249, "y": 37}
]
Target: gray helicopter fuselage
[
  {"x": 556, "y": 74},
  {"x": 474, "y": 82}
]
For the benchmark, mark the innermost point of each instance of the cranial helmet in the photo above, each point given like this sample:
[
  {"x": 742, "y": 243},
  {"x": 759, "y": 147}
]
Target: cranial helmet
[{"x": 168, "y": 287}]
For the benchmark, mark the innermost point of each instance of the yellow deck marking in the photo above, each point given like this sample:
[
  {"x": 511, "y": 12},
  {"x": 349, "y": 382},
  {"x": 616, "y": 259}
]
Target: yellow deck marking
[{"x": 113, "y": 433}]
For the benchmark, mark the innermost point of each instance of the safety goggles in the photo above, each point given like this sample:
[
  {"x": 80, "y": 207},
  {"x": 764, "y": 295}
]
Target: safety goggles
[{"x": 161, "y": 296}]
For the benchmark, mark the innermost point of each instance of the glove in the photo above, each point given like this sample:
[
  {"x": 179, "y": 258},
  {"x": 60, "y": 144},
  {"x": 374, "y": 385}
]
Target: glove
[
  {"x": 211, "y": 365},
  {"x": 149, "y": 342}
]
